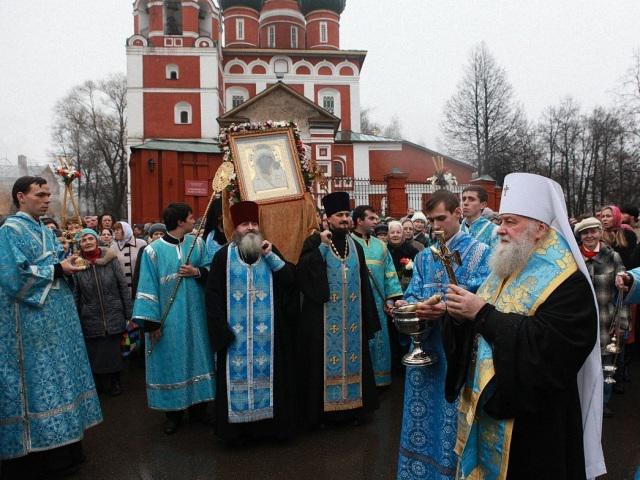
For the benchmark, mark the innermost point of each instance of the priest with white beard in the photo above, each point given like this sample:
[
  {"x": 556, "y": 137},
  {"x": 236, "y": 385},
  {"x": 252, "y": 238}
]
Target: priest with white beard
[
  {"x": 523, "y": 352},
  {"x": 252, "y": 303}
]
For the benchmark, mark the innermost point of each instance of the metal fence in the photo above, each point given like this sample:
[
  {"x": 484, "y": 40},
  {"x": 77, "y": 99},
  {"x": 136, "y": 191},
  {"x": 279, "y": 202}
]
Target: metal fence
[
  {"x": 365, "y": 191},
  {"x": 418, "y": 193}
]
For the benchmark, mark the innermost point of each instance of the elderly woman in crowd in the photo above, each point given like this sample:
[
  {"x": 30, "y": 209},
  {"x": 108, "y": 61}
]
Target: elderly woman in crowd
[
  {"x": 106, "y": 237},
  {"x": 621, "y": 239},
  {"x": 104, "y": 305},
  {"x": 603, "y": 264},
  {"x": 402, "y": 251},
  {"x": 409, "y": 230},
  {"x": 126, "y": 247}
]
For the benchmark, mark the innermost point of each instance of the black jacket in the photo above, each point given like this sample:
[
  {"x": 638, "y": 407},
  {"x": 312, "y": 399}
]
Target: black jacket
[{"x": 102, "y": 297}]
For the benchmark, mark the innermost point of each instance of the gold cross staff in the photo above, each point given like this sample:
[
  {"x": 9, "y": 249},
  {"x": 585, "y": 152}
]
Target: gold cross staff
[{"x": 447, "y": 258}]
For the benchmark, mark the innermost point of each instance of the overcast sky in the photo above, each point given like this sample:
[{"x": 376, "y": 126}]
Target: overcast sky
[{"x": 417, "y": 50}]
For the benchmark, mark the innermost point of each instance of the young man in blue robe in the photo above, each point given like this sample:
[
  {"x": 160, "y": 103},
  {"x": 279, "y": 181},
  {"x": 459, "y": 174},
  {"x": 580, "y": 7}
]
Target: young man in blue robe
[
  {"x": 252, "y": 304},
  {"x": 180, "y": 370},
  {"x": 339, "y": 319},
  {"x": 429, "y": 421},
  {"x": 474, "y": 201},
  {"x": 384, "y": 285},
  {"x": 47, "y": 394}
]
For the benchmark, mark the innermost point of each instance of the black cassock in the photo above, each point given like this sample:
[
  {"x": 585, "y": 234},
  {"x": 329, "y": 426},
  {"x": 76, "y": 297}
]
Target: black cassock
[
  {"x": 286, "y": 310},
  {"x": 313, "y": 282},
  {"x": 536, "y": 361}
]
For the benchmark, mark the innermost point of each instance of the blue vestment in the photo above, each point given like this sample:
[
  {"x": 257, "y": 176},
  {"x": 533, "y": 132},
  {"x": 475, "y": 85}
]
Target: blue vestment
[
  {"x": 47, "y": 395},
  {"x": 180, "y": 369},
  {"x": 385, "y": 285},
  {"x": 483, "y": 230},
  {"x": 634, "y": 292},
  {"x": 250, "y": 314},
  {"x": 429, "y": 422},
  {"x": 211, "y": 244}
]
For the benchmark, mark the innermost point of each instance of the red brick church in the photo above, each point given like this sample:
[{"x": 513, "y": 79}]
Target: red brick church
[{"x": 193, "y": 67}]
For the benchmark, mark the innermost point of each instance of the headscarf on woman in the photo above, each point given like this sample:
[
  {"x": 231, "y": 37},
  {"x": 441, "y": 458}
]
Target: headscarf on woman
[{"x": 127, "y": 234}]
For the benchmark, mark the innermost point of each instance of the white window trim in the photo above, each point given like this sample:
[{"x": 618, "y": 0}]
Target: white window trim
[
  {"x": 172, "y": 68},
  {"x": 234, "y": 91},
  {"x": 294, "y": 36},
  {"x": 271, "y": 34},
  {"x": 178, "y": 109},
  {"x": 330, "y": 92},
  {"x": 239, "y": 28},
  {"x": 324, "y": 32},
  {"x": 323, "y": 157}
]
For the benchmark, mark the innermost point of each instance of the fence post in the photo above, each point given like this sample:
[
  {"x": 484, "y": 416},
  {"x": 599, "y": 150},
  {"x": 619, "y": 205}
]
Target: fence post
[{"x": 396, "y": 193}]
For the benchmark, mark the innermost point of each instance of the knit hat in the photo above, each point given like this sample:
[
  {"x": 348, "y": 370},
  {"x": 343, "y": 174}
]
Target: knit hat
[
  {"x": 157, "y": 227},
  {"x": 419, "y": 216},
  {"x": 591, "y": 222},
  {"x": 244, "y": 212},
  {"x": 380, "y": 228},
  {"x": 88, "y": 231}
]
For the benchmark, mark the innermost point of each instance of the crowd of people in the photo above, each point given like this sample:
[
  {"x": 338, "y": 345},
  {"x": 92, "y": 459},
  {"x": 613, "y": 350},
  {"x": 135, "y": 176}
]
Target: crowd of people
[{"x": 238, "y": 337}]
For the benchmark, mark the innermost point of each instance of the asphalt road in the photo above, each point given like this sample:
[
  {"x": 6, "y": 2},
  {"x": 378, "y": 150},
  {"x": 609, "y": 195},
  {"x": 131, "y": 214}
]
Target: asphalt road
[{"x": 130, "y": 444}]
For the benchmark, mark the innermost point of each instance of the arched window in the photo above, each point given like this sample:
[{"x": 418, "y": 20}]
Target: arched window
[
  {"x": 271, "y": 36},
  {"x": 239, "y": 28},
  {"x": 172, "y": 72},
  {"x": 329, "y": 99},
  {"x": 338, "y": 168},
  {"x": 324, "y": 33},
  {"x": 182, "y": 113},
  {"x": 172, "y": 17},
  {"x": 235, "y": 96}
]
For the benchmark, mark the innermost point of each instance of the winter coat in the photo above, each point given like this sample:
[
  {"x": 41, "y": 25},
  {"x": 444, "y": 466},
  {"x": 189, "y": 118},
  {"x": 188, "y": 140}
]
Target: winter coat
[
  {"x": 128, "y": 257},
  {"x": 102, "y": 297}
]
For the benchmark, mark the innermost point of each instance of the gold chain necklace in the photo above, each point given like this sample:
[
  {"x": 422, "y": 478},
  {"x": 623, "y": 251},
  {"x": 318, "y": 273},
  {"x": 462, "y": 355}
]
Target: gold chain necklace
[{"x": 335, "y": 250}]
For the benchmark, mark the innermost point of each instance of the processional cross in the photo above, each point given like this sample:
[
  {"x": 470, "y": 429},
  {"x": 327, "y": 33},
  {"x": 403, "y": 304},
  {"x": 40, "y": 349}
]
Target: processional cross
[{"x": 447, "y": 258}]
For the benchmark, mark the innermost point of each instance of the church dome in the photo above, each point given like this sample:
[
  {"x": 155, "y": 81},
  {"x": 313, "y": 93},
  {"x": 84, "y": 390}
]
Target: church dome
[
  {"x": 336, "y": 6},
  {"x": 255, "y": 4}
]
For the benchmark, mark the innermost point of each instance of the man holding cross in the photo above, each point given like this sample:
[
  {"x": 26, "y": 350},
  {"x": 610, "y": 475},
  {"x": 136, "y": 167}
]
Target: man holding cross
[
  {"x": 429, "y": 422},
  {"x": 179, "y": 363}
]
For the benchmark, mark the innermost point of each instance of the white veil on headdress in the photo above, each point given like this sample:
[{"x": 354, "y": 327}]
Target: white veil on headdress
[{"x": 542, "y": 199}]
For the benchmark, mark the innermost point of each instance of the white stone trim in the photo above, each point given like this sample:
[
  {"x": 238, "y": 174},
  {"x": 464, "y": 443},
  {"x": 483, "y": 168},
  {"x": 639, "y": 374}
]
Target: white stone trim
[
  {"x": 302, "y": 63},
  {"x": 281, "y": 12},
  {"x": 157, "y": 3},
  {"x": 243, "y": 15},
  {"x": 234, "y": 62},
  {"x": 170, "y": 51},
  {"x": 230, "y": 92},
  {"x": 324, "y": 63},
  {"x": 330, "y": 92},
  {"x": 209, "y": 72},
  {"x": 278, "y": 22},
  {"x": 262, "y": 63},
  {"x": 172, "y": 90},
  {"x": 323, "y": 19},
  {"x": 288, "y": 78},
  {"x": 309, "y": 90},
  {"x": 190, "y": 3},
  {"x": 354, "y": 98},
  {"x": 261, "y": 86},
  {"x": 204, "y": 42},
  {"x": 180, "y": 108},
  {"x": 384, "y": 146},
  {"x": 136, "y": 37},
  {"x": 324, "y": 157},
  {"x": 209, "y": 111},
  {"x": 160, "y": 33},
  {"x": 361, "y": 167},
  {"x": 135, "y": 114},
  {"x": 347, "y": 63},
  {"x": 169, "y": 69}
]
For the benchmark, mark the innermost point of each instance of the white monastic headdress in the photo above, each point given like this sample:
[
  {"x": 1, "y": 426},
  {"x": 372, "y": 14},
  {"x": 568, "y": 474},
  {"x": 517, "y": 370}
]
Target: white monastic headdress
[{"x": 542, "y": 199}]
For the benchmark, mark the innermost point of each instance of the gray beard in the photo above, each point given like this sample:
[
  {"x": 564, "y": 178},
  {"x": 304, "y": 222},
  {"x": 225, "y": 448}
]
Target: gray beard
[
  {"x": 249, "y": 246},
  {"x": 511, "y": 257}
]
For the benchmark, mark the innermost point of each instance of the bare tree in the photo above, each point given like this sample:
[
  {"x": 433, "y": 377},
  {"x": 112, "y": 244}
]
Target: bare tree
[
  {"x": 481, "y": 118},
  {"x": 90, "y": 130}
]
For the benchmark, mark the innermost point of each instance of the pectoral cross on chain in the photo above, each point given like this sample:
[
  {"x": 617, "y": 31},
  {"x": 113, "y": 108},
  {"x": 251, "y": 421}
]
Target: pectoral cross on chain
[
  {"x": 252, "y": 291},
  {"x": 447, "y": 258}
]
